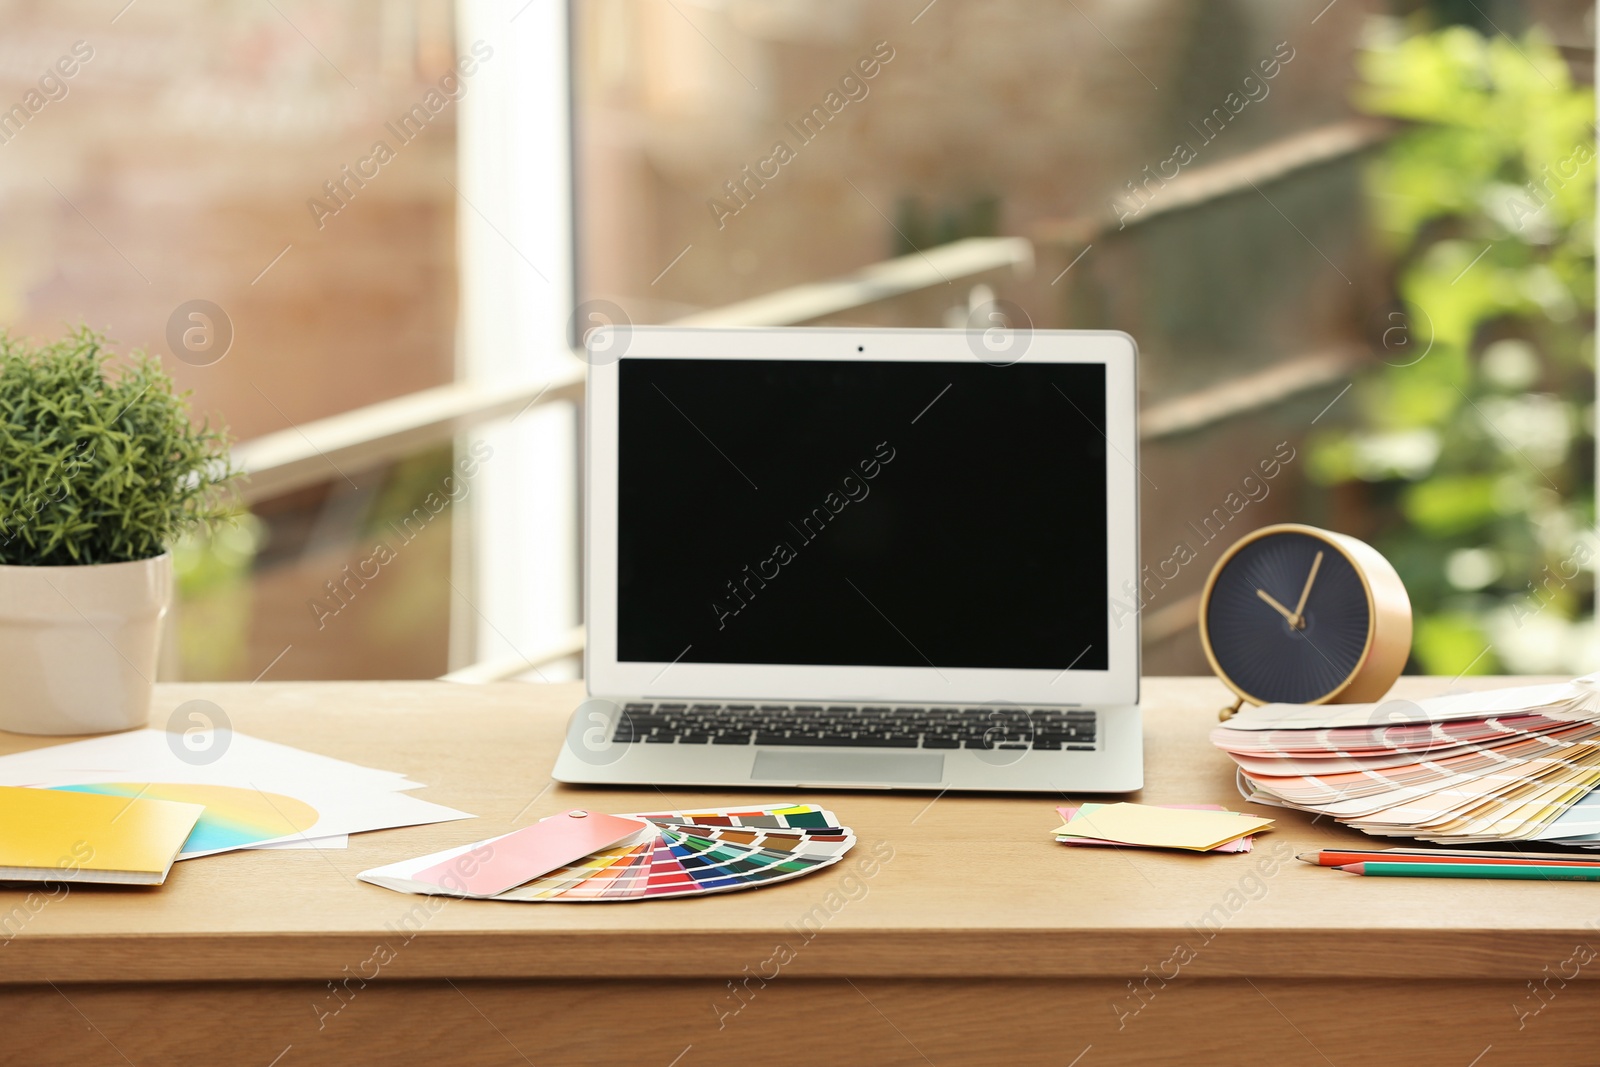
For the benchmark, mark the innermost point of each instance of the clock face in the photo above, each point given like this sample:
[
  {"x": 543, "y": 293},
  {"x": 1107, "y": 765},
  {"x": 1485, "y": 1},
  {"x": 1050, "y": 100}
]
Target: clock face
[{"x": 1268, "y": 644}]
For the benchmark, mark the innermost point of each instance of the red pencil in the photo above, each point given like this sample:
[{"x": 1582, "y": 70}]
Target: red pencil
[{"x": 1344, "y": 857}]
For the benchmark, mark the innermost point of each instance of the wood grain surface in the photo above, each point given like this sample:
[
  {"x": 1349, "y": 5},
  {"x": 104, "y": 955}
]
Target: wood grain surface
[{"x": 975, "y": 938}]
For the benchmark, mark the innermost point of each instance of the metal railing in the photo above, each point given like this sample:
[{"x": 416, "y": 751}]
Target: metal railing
[
  {"x": 390, "y": 430},
  {"x": 1232, "y": 177},
  {"x": 1255, "y": 391},
  {"x": 970, "y": 258},
  {"x": 319, "y": 451},
  {"x": 498, "y": 670},
  {"x": 1249, "y": 392}
]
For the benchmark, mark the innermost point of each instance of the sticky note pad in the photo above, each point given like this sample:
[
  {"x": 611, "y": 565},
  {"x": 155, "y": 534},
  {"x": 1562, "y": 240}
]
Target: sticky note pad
[
  {"x": 1143, "y": 824},
  {"x": 1242, "y": 844},
  {"x": 508, "y": 861},
  {"x": 68, "y": 836}
]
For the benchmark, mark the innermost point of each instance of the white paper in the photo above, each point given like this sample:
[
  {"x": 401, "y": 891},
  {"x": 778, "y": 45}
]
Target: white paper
[
  {"x": 333, "y": 843},
  {"x": 149, "y": 756},
  {"x": 348, "y": 797}
]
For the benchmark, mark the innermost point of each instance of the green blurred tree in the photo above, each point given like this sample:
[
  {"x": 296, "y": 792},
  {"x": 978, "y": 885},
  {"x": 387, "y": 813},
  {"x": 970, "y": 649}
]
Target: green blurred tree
[{"x": 1475, "y": 438}]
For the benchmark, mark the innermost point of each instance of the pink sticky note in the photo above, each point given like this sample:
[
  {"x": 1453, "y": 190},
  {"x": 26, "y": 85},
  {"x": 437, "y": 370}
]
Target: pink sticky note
[
  {"x": 1244, "y": 844},
  {"x": 506, "y": 862}
]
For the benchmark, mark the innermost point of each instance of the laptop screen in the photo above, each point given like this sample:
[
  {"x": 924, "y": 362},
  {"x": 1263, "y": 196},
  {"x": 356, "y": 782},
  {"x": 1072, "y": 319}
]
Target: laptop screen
[{"x": 886, "y": 514}]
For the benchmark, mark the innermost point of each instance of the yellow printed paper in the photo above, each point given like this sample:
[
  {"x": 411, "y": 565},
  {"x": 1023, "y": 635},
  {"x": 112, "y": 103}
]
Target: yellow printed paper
[{"x": 50, "y": 831}]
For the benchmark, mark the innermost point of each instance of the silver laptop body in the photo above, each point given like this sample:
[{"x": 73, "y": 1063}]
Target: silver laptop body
[{"x": 861, "y": 559}]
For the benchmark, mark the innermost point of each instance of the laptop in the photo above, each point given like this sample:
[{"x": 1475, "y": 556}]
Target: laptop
[{"x": 860, "y": 559}]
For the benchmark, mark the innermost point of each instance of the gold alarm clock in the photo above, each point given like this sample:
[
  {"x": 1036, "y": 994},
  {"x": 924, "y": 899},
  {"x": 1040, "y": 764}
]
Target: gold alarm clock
[{"x": 1300, "y": 615}]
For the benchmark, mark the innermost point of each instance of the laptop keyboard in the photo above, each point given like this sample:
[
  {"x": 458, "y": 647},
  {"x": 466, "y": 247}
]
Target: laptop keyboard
[{"x": 850, "y": 726}]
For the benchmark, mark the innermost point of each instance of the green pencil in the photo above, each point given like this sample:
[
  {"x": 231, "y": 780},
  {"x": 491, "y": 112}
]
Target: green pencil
[{"x": 1529, "y": 872}]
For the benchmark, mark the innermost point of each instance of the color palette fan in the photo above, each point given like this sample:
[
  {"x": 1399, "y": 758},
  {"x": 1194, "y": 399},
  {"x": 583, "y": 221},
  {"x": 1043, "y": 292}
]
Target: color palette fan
[
  {"x": 1519, "y": 764},
  {"x": 577, "y": 856}
]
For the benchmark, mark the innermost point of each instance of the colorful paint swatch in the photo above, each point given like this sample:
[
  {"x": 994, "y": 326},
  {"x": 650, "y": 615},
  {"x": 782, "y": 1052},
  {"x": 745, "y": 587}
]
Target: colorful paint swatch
[
  {"x": 675, "y": 865},
  {"x": 1515, "y": 764},
  {"x": 233, "y": 816},
  {"x": 812, "y": 842},
  {"x": 790, "y": 815},
  {"x": 510, "y": 860},
  {"x": 685, "y": 854}
]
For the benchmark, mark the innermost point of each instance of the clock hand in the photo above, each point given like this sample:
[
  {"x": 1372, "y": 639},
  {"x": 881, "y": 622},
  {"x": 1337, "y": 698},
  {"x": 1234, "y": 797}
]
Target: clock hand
[
  {"x": 1285, "y": 612},
  {"x": 1299, "y": 620}
]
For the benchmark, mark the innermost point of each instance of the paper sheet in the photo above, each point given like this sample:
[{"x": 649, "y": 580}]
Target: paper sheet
[
  {"x": 154, "y": 756},
  {"x": 1243, "y": 844},
  {"x": 92, "y": 838},
  {"x": 256, "y": 793},
  {"x": 327, "y": 844},
  {"x": 1144, "y": 824}
]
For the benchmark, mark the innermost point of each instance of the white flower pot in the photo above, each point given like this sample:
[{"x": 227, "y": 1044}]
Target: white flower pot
[{"x": 78, "y": 645}]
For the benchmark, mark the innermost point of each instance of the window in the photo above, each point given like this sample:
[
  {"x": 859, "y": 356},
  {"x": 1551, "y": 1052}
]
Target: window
[{"x": 401, "y": 215}]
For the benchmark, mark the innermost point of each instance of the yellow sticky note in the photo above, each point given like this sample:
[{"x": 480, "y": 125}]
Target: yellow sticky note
[
  {"x": 64, "y": 835},
  {"x": 1143, "y": 824}
]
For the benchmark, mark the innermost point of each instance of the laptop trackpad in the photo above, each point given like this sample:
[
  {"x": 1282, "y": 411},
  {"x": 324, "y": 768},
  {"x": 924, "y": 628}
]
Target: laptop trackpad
[{"x": 888, "y": 768}]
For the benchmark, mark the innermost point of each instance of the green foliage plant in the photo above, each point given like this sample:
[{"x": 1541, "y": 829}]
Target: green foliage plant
[
  {"x": 1473, "y": 440},
  {"x": 99, "y": 459}
]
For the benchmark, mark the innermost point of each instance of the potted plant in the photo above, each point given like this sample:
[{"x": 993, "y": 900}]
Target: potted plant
[{"x": 101, "y": 469}]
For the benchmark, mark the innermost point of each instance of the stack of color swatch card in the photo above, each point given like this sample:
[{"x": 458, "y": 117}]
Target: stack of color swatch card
[
  {"x": 1516, "y": 764},
  {"x": 1235, "y": 834},
  {"x": 586, "y": 856},
  {"x": 248, "y": 793},
  {"x": 1187, "y": 827}
]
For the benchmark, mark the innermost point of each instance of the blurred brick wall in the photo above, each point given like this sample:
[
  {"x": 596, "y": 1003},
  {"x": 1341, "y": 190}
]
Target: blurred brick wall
[
  {"x": 1044, "y": 111},
  {"x": 1017, "y": 99},
  {"x": 179, "y": 164}
]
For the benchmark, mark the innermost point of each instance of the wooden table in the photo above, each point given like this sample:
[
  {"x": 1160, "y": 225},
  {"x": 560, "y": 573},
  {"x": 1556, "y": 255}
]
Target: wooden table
[{"x": 972, "y": 939}]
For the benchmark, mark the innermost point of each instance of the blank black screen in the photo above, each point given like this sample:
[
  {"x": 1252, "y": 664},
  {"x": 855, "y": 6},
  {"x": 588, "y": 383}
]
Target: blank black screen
[{"x": 862, "y": 514}]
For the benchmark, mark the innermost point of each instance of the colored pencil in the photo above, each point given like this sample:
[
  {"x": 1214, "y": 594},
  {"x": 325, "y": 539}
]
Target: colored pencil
[
  {"x": 1579, "y": 873},
  {"x": 1340, "y": 857}
]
